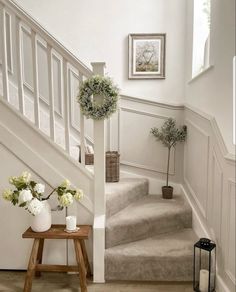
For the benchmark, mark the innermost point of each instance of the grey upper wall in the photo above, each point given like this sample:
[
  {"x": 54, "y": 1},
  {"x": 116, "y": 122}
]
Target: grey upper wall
[
  {"x": 98, "y": 31},
  {"x": 212, "y": 92}
]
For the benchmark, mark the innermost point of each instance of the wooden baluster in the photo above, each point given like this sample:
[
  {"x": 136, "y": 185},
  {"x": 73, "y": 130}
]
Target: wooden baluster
[
  {"x": 82, "y": 136},
  {"x": 66, "y": 107},
  {"x": 19, "y": 66},
  {"x": 51, "y": 93},
  {"x": 35, "y": 79},
  {"x": 4, "y": 53}
]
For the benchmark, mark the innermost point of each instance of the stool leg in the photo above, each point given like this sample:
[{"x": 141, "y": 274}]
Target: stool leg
[
  {"x": 40, "y": 255},
  {"x": 85, "y": 255},
  {"x": 31, "y": 266},
  {"x": 81, "y": 266}
]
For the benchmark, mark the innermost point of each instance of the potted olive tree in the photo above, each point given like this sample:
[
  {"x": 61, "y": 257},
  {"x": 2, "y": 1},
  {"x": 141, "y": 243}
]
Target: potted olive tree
[{"x": 169, "y": 135}]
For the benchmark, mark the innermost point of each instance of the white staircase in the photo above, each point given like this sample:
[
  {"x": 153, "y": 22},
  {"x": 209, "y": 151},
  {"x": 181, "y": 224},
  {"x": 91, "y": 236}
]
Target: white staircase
[{"x": 40, "y": 120}]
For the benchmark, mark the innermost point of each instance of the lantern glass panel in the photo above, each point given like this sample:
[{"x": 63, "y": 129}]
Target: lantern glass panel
[{"x": 204, "y": 268}]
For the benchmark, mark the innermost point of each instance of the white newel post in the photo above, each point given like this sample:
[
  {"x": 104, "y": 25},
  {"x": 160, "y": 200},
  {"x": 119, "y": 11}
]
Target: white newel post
[{"x": 99, "y": 192}]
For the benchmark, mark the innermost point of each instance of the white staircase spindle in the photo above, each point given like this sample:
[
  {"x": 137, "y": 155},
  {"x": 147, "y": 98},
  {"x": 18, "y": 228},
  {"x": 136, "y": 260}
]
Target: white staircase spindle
[
  {"x": 66, "y": 107},
  {"x": 35, "y": 79},
  {"x": 82, "y": 139},
  {"x": 4, "y": 52},
  {"x": 51, "y": 93},
  {"x": 19, "y": 66},
  {"x": 82, "y": 136}
]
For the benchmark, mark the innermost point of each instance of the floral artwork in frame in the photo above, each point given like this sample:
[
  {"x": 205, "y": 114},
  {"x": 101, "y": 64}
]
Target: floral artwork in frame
[{"x": 147, "y": 56}]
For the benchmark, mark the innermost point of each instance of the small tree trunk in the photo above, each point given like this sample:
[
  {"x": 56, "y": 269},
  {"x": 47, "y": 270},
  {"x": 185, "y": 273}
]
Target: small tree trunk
[{"x": 168, "y": 167}]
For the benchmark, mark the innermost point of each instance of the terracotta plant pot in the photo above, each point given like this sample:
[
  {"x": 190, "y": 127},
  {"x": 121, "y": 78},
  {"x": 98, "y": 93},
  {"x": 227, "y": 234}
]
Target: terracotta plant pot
[{"x": 167, "y": 192}]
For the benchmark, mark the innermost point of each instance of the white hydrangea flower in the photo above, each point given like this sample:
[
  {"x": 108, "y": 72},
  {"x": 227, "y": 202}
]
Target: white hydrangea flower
[
  {"x": 39, "y": 188},
  {"x": 7, "y": 195},
  {"x": 35, "y": 207},
  {"x": 66, "y": 200},
  {"x": 25, "y": 196},
  {"x": 12, "y": 179},
  {"x": 78, "y": 195},
  {"x": 26, "y": 176},
  {"x": 65, "y": 183}
]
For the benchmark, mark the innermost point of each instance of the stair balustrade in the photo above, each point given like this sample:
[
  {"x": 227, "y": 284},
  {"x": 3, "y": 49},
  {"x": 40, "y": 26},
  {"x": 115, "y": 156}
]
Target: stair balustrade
[{"x": 11, "y": 34}]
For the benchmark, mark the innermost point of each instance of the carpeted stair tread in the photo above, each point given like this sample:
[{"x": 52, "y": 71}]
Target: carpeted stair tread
[
  {"x": 165, "y": 257},
  {"x": 120, "y": 195},
  {"x": 151, "y": 215}
]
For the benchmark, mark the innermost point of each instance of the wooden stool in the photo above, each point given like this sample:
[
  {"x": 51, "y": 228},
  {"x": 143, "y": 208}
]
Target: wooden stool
[{"x": 57, "y": 232}]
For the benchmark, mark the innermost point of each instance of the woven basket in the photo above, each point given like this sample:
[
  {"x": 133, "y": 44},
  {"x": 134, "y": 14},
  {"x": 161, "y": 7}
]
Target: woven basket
[
  {"x": 89, "y": 159},
  {"x": 112, "y": 166}
]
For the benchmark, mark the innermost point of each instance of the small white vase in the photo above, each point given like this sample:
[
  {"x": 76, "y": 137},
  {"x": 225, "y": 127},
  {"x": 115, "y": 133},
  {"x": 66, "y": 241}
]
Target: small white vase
[{"x": 43, "y": 221}]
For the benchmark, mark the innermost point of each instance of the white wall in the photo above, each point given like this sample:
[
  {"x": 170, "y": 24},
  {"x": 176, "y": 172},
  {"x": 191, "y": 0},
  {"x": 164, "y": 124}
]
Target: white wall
[
  {"x": 212, "y": 92},
  {"x": 98, "y": 31},
  {"x": 15, "y": 251}
]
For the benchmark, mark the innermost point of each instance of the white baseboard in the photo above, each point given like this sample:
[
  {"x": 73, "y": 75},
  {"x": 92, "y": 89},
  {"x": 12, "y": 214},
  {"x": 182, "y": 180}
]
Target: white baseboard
[
  {"x": 220, "y": 285},
  {"x": 198, "y": 226}
]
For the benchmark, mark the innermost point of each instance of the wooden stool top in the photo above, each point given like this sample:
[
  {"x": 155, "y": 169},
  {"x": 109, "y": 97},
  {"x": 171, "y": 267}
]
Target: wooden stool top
[{"x": 57, "y": 232}]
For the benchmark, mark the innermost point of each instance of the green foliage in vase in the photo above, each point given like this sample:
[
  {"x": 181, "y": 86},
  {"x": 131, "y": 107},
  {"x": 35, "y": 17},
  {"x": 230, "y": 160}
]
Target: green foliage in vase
[{"x": 169, "y": 135}]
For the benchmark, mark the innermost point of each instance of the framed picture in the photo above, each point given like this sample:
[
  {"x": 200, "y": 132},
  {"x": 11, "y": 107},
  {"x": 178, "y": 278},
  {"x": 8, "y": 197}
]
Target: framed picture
[{"x": 147, "y": 56}]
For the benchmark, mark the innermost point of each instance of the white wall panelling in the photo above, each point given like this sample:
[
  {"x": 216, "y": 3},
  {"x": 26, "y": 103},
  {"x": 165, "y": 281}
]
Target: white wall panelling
[
  {"x": 130, "y": 134},
  {"x": 145, "y": 153},
  {"x": 208, "y": 173},
  {"x": 215, "y": 197},
  {"x": 230, "y": 251},
  {"x": 197, "y": 153}
]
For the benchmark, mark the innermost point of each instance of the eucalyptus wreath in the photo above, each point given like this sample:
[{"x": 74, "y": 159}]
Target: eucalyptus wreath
[{"x": 100, "y": 86}]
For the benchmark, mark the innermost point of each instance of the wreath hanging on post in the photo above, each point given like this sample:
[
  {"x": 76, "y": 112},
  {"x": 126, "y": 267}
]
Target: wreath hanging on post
[{"x": 100, "y": 86}]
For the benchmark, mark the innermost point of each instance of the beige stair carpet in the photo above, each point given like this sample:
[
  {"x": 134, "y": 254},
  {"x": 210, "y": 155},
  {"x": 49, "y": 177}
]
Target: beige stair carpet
[{"x": 147, "y": 238}]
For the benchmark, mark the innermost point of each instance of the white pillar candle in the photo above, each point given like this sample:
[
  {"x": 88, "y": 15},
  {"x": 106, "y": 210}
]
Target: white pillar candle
[
  {"x": 204, "y": 280},
  {"x": 71, "y": 222}
]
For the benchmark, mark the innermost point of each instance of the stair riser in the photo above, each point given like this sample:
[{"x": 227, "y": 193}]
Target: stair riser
[
  {"x": 143, "y": 229},
  {"x": 116, "y": 203},
  {"x": 149, "y": 269}
]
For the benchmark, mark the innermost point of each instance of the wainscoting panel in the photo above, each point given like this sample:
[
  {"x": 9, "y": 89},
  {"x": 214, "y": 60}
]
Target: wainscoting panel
[
  {"x": 208, "y": 173},
  {"x": 145, "y": 152},
  {"x": 215, "y": 197},
  {"x": 196, "y": 164},
  {"x": 129, "y": 132},
  {"x": 230, "y": 257}
]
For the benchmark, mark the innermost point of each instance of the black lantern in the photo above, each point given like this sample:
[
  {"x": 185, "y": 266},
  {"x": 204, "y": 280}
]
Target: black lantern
[{"x": 204, "y": 269}]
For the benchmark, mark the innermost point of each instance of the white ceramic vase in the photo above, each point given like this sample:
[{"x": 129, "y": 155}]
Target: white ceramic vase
[{"x": 43, "y": 221}]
